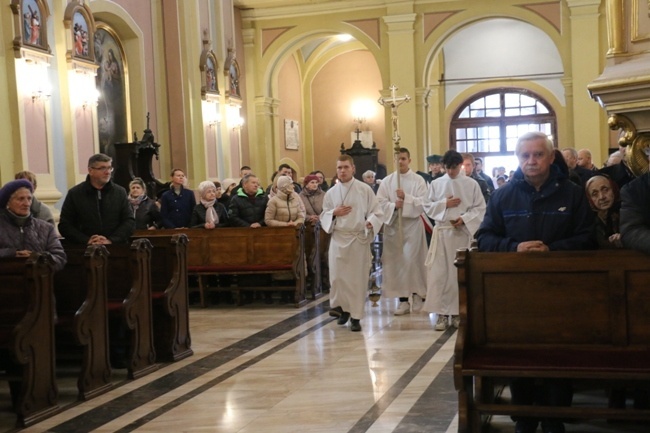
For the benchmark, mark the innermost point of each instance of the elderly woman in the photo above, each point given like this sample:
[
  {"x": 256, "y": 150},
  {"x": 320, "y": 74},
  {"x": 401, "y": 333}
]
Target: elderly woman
[
  {"x": 209, "y": 213},
  {"x": 145, "y": 210},
  {"x": 285, "y": 207},
  {"x": 23, "y": 234},
  {"x": 605, "y": 200}
]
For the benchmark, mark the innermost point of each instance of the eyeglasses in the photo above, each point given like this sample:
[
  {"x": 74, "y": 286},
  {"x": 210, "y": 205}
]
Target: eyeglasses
[{"x": 108, "y": 169}]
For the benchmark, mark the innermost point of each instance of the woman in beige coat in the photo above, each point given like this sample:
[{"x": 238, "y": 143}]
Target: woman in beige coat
[{"x": 285, "y": 208}]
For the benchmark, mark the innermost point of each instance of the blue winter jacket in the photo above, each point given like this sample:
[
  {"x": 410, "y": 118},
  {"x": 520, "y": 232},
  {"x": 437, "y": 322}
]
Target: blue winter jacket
[{"x": 558, "y": 215}]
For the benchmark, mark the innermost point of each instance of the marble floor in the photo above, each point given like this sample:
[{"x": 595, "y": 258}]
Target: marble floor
[{"x": 275, "y": 368}]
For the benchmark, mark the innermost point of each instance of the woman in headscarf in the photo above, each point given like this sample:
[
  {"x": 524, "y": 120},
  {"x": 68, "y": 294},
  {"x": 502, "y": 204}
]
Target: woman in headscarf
[
  {"x": 22, "y": 234},
  {"x": 209, "y": 213},
  {"x": 145, "y": 210},
  {"x": 605, "y": 200}
]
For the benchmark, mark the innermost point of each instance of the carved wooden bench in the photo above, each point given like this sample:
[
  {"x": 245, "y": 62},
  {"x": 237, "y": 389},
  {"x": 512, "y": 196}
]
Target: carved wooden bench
[
  {"x": 169, "y": 294},
  {"x": 248, "y": 251},
  {"x": 128, "y": 293},
  {"x": 27, "y": 336},
  {"x": 583, "y": 315},
  {"x": 82, "y": 328}
]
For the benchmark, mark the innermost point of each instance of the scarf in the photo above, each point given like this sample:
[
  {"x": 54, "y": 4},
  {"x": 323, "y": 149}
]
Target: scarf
[
  {"x": 136, "y": 201},
  {"x": 210, "y": 213}
]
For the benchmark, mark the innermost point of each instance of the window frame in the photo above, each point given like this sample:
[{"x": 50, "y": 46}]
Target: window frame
[{"x": 502, "y": 122}]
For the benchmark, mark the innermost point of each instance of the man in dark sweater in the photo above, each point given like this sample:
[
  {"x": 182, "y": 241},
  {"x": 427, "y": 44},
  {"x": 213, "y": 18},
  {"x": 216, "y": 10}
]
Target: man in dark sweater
[{"x": 96, "y": 211}]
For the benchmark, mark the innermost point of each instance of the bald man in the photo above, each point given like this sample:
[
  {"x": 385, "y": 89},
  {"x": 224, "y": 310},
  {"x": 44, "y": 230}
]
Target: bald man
[{"x": 584, "y": 160}]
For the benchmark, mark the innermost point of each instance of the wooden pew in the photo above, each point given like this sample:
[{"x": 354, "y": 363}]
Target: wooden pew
[
  {"x": 316, "y": 244},
  {"x": 244, "y": 251},
  {"x": 169, "y": 293},
  {"x": 27, "y": 336},
  {"x": 82, "y": 328},
  {"x": 582, "y": 315},
  {"x": 128, "y": 292}
]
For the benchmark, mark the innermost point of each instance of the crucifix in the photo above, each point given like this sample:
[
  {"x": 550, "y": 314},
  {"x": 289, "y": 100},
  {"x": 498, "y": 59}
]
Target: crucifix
[{"x": 394, "y": 102}]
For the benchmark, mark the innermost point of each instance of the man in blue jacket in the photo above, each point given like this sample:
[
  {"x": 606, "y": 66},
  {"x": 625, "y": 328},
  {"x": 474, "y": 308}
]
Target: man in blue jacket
[{"x": 540, "y": 209}]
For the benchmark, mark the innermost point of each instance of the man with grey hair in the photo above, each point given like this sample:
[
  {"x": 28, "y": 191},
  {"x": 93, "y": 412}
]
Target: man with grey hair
[
  {"x": 540, "y": 209},
  {"x": 576, "y": 173},
  {"x": 635, "y": 212},
  {"x": 97, "y": 211}
]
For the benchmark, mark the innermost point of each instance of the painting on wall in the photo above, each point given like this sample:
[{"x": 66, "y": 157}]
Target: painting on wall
[
  {"x": 209, "y": 67},
  {"x": 112, "y": 86},
  {"x": 233, "y": 75},
  {"x": 80, "y": 36},
  {"x": 31, "y": 31}
]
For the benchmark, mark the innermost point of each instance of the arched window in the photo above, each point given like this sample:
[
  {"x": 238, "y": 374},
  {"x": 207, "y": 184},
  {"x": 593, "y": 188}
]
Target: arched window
[{"x": 490, "y": 123}]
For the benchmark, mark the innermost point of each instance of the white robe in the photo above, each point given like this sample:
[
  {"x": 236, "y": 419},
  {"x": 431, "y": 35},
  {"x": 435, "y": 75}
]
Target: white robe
[
  {"x": 442, "y": 276},
  {"x": 349, "y": 252},
  {"x": 403, "y": 256}
]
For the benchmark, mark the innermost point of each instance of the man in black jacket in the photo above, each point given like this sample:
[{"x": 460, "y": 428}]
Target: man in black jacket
[
  {"x": 247, "y": 208},
  {"x": 96, "y": 211}
]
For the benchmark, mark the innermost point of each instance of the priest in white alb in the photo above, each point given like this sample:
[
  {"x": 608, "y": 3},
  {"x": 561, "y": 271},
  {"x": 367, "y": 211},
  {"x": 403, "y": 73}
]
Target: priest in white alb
[
  {"x": 458, "y": 207},
  {"x": 352, "y": 215},
  {"x": 405, "y": 245}
]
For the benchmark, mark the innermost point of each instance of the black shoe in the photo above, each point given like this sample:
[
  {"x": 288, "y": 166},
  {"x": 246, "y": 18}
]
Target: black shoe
[
  {"x": 336, "y": 311},
  {"x": 526, "y": 426},
  {"x": 343, "y": 319},
  {"x": 552, "y": 426},
  {"x": 355, "y": 326}
]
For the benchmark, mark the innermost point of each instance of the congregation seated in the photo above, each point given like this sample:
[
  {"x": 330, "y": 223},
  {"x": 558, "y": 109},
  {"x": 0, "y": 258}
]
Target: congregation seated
[
  {"x": 38, "y": 210},
  {"x": 248, "y": 206},
  {"x": 285, "y": 207},
  {"x": 177, "y": 204},
  {"x": 22, "y": 233},
  {"x": 97, "y": 210},
  {"x": 145, "y": 210},
  {"x": 209, "y": 213}
]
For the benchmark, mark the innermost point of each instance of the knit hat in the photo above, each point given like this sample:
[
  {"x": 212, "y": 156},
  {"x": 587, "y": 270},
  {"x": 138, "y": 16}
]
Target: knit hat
[
  {"x": 434, "y": 159},
  {"x": 309, "y": 178},
  {"x": 11, "y": 187},
  {"x": 283, "y": 182}
]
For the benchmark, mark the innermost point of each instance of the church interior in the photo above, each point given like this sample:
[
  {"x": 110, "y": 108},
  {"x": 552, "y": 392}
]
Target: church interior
[{"x": 221, "y": 84}]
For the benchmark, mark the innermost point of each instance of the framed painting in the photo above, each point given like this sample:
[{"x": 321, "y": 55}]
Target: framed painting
[
  {"x": 209, "y": 67},
  {"x": 232, "y": 73},
  {"x": 79, "y": 22},
  {"x": 112, "y": 86},
  {"x": 31, "y": 18}
]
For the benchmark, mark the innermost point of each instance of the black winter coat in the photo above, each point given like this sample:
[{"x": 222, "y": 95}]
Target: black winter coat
[
  {"x": 245, "y": 211},
  {"x": 88, "y": 211}
]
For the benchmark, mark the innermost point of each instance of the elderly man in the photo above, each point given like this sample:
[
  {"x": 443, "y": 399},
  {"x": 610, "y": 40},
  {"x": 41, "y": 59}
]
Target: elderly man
[
  {"x": 404, "y": 245},
  {"x": 246, "y": 209},
  {"x": 352, "y": 215},
  {"x": 97, "y": 210},
  {"x": 635, "y": 213},
  {"x": 368, "y": 177},
  {"x": 538, "y": 210}
]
